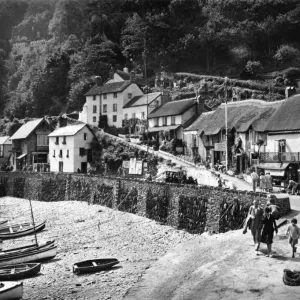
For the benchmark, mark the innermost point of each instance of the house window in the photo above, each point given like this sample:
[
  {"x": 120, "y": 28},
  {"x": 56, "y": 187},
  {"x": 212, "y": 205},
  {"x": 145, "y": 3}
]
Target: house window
[
  {"x": 281, "y": 146},
  {"x": 60, "y": 153},
  {"x": 67, "y": 153},
  {"x": 94, "y": 109},
  {"x": 115, "y": 108},
  {"x": 164, "y": 121},
  {"x": 129, "y": 96},
  {"x": 1, "y": 151},
  {"x": 104, "y": 96},
  {"x": 115, "y": 95},
  {"x": 126, "y": 116},
  {"x": 57, "y": 140},
  {"x": 114, "y": 118},
  {"x": 253, "y": 137},
  {"x": 105, "y": 108},
  {"x": 94, "y": 97},
  {"x": 53, "y": 153},
  {"x": 155, "y": 121},
  {"x": 173, "y": 120},
  {"x": 64, "y": 140},
  {"x": 85, "y": 136},
  {"x": 133, "y": 115},
  {"x": 81, "y": 151},
  {"x": 94, "y": 119},
  {"x": 143, "y": 115}
]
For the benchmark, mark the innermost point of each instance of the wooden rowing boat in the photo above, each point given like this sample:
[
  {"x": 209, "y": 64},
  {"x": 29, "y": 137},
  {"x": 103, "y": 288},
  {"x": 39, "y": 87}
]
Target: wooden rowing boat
[
  {"x": 27, "y": 248},
  {"x": 94, "y": 265},
  {"x": 29, "y": 256},
  {"x": 15, "y": 231},
  {"x": 19, "y": 271},
  {"x": 2, "y": 223},
  {"x": 11, "y": 290}
]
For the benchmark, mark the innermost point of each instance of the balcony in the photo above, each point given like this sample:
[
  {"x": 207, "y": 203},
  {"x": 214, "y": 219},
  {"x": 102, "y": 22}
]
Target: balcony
[{"x": 279, "y": 157}]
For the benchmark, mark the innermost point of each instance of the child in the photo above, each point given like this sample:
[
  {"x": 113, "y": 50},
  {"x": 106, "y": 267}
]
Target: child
[
  {"x": 294, "y": 233},
  {"x": 269, "y": 225}
]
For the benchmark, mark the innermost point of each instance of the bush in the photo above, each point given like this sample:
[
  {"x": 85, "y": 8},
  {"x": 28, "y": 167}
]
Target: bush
[
  {"x": 253, "y": 67},
  {"x": 292, "y": 73},
  {"x": 287, "y": 53}
]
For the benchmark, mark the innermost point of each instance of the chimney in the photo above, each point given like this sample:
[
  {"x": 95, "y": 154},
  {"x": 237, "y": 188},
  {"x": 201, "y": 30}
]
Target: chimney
[
  {"x": 165, "y": 97},
  {"x": 126, "y": 70},
  {"x": 289, "y": 91},
  {"x": 98, "y": 80},
  {"x": 61, "y": 122},
  {"x": 200, "y": 105},
  {"x": 132, "y": 75},
  {"x": 111, "y": 72}
]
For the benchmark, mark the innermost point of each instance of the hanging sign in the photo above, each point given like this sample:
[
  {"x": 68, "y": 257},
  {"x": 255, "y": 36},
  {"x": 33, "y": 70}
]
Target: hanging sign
[
  {"x": 132, "y": 165},
  {"x": 125, "y": 164},
  {"x": 139, "y": 167},
  {"x": 220, "y": 146}
]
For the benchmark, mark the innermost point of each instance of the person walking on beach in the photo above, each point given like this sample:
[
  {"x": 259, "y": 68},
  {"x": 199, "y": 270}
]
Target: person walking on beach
[
  {"x": 254, "y": 177},
  {"x": 256, "y": 215},
  {"x": 293, "y": 232},
  {"x": 268, "y": 228},
  {"x": 262, "y": 182}
]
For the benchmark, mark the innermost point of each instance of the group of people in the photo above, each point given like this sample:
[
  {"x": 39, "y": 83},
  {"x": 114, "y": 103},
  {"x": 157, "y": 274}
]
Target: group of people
[
  {"x": 262, "y": 223},
  {"x": 173, "y": 178},
  {"x": 265, "y": 181},
  {"x": 294, "y": 186}
]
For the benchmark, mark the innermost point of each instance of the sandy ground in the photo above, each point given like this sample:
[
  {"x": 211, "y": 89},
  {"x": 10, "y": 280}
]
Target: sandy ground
[
  {"x": 84, "y": 232},
  {"x": 216, "y": 267}
]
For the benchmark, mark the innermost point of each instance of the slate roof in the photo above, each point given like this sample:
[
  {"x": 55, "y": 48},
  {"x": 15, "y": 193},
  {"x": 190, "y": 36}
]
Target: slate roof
[
  {"x": 126, "y": 76},
  {"x": 173, "y": 108},
  {"x": 141, "y": 100},
  {"x": 5, "y": 140},
  {"x": 287, "y": 118},
  {"x": 241, "y": 115},
  {"x": 203, "y": 117},
  {"x": 67, "y": 130},
  {"x": 113, "y": 87},
  {"x": 26, "y": 129}
]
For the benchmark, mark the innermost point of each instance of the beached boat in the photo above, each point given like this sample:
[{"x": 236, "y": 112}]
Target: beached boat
[
  {"x": 2, "y": 223},
  {"x": 27, "y": 248},
  {"x": 15, "y": 231},
  {"x": 11, "y": 290},
  {"x": 19, "y": 271},
  {"x": 28, "y": 256},
  {"x": 94, "y": 265}
]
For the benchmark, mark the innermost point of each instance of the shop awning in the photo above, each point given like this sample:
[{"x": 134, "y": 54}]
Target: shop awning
[
  {"x": 21, "y": 156},
  {"x": 275, "y": 169},
  {"x": 163, "y": 128}
]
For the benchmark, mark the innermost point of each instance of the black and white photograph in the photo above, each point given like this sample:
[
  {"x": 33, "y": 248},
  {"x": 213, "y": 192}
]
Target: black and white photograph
[{"x": 149, "y": 149}]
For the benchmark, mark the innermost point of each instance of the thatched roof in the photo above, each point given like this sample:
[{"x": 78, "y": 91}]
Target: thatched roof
[
  {"x": 196, "y": 125},
  {"x": 287, "y": 118},
  {"x": 241, "y": 115}
]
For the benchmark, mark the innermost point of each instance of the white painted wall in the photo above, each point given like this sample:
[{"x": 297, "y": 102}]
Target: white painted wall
[
  {"x": 292, "y": 142},
  {"x": 135, "y": 109},
  {"x": 134, "y": 90},
  {"x": 73, "y": 143}
]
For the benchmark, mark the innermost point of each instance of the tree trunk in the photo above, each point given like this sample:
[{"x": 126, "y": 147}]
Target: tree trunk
[{"x": 207, "y": 59}]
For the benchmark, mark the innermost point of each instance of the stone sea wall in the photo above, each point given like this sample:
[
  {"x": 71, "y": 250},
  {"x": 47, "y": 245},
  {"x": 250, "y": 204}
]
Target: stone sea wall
[{"x": 188, "y": 207}]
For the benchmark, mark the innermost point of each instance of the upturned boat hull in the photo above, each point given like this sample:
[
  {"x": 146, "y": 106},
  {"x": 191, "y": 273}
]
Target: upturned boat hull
[
  {"x": 30, "y": 256},
  {"x": 10, "y": 290}
]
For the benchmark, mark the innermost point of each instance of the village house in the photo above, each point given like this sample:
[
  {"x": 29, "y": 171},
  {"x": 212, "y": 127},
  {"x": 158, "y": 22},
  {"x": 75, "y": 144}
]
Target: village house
[
  {"x": 70, "y": 148},
  {"x": 281, "y": 157},
  {"x": 30, "y": 146},
  {"x": 5, "y": 149},
  {"x": 172, "y": 117},
  {"x": 124, "y": 75},
  {"x": 247, "y": 136}
]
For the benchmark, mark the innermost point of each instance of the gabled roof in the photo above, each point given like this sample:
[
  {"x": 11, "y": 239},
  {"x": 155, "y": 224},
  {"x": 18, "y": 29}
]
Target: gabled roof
[
  {"x": 241, "y": 115},
  {"x": 173, "y": 108},
  {"x": 126, "y": 76},
  {"x": 141, "y": 100},
  {"x": 68, "y": 130},
  {"x": 203, "y": 117},
  {"x": 107, "y": 88},
  {"x": 5, "y": 140},
  {"x": 287, "y": 117},
  {"x": 25, "y": 130}
]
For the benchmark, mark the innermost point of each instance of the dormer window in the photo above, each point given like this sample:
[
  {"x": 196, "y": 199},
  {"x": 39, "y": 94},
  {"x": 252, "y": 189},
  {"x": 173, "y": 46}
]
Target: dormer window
[
  {"x": 104, "y": 96},
  {"x": 115, "y": 95},
  {"x": 129, "y": 96},
  {"x": 94, "y": 97}
]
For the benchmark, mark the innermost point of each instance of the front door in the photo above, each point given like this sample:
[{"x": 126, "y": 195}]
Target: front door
[
  {"x": 83, "y": 167},
  {"x": 61, "y": 166}
]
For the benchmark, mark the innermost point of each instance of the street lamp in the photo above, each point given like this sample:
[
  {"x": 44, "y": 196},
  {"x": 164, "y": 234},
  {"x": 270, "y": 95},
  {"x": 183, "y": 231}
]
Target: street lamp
[{"x": 226, "y": 122}]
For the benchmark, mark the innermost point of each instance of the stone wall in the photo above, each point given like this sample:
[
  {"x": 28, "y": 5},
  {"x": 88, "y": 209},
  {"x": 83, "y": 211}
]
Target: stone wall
[{"x": 192, "y": 208}]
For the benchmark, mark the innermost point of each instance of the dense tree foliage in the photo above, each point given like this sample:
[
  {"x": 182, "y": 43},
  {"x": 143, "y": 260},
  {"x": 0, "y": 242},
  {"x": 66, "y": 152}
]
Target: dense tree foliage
[{"x": 85, "y": 38}]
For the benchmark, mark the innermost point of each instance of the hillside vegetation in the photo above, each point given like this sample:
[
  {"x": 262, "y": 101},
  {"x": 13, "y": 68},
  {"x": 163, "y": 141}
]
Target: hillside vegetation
[{"x": 242, "y": 39}]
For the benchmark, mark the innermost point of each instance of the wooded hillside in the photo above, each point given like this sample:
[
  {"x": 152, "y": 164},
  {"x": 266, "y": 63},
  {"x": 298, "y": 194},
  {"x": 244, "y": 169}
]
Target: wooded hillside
[{"x": 84, "y": 38}]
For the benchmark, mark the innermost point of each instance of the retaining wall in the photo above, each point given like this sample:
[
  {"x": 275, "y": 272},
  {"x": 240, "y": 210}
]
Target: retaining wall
[{"x": 193, "y": 208}]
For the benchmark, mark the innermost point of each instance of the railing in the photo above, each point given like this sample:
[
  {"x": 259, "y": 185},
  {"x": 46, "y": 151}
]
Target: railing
[{"x": 279, "y": 157}]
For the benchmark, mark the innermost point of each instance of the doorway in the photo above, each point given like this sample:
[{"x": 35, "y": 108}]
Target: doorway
[
  {"x": 83, "y": 167},
  {"x": 61, "y": 166}
]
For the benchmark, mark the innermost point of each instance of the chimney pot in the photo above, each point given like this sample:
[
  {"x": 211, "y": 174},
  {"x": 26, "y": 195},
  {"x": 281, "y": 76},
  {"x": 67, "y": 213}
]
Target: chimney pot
[
  {"x": 126, "y": 70},
  {"x": 98, "y": 80}
]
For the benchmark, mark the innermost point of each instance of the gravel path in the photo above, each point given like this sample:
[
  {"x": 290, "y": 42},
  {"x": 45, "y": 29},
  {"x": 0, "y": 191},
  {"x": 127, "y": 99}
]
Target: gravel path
[{"x": 84, "y": 232}]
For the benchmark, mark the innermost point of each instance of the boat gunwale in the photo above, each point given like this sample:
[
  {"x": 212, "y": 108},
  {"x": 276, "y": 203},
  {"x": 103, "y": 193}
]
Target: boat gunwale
[{"x": 18, "y": 284}]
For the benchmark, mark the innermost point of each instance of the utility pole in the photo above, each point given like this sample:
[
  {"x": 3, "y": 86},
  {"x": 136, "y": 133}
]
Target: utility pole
[{"x": 226, "y": 122}]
